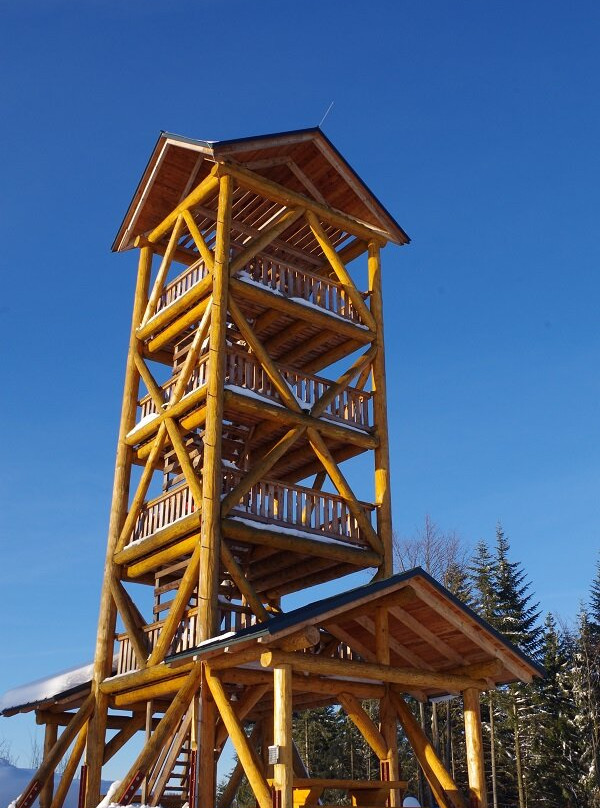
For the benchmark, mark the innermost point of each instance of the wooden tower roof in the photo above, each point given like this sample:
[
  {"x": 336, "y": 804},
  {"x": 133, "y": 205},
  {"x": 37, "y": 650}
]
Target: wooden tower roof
[{"x": 304, "y": 161}]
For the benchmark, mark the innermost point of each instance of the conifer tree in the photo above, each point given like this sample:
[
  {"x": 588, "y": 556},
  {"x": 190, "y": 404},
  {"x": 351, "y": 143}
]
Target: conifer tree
[
  {"x": 516, "y": 617},
  {"x": 586, "y": 696},
  {"x": 481, "y": 574},
  {"x": 556, "y": 764}
]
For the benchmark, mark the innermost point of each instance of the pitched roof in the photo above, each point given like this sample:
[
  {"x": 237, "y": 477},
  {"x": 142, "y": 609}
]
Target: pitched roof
[
  {"x": 430, "y": 630},
  {"x": 303, "y": 160}
]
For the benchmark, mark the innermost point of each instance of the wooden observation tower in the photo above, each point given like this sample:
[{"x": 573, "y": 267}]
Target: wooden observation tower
[{"x": 255, "y": 374}]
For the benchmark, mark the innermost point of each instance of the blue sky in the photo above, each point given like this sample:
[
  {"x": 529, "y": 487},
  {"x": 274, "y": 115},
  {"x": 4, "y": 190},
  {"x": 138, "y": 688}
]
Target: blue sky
[{"x": 478, "y": 126}]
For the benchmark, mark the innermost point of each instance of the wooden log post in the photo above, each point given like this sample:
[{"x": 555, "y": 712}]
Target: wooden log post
[
  {"x": 474, "y": 749},
  {"x": 210, "y": 537},
  {"x": 383, "y": 496},
  {"x": 282, "y": 733},
  {"x": 107, "y": 612},
  {"x": 207, "y": 772},
  {"x": 50, "y": 738},
  {"x": 388, "y": 765}
]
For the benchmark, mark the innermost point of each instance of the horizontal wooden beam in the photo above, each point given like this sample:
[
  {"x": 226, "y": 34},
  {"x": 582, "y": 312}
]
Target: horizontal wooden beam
[
  {"x": 174, "y": 318},
  {"x": 128, "y": 681},
  {"x": 320, "y": 319},
  {"x": 233, "y": 529},
  {"x": 264, "y": 409},
  {"x": 368, "y": 670},
  {"x": 151, "y": 692},
  {"x": 159, "y": 539},
  {"x": 161, "y": 557}
]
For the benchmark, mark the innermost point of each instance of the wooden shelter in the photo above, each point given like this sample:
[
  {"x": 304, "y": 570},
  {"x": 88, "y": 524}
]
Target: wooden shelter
[{"x": 255, "y": 372}]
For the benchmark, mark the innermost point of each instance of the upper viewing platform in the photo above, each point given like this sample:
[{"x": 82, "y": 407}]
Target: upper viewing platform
[{"x": 295, "y": 202}]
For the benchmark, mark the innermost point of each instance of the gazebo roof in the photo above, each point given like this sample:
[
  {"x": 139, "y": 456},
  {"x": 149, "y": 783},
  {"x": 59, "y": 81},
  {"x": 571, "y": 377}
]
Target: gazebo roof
[
  {"x": 304, "y": 161},
  {"x": 430, "y": 630}
]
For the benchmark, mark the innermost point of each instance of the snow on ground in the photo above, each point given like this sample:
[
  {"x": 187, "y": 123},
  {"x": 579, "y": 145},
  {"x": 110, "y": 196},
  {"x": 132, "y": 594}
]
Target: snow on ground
[{"x": 14, "y": 780}]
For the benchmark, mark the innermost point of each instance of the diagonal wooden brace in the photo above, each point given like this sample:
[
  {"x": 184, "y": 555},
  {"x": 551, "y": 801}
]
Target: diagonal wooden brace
[
  {"x": 337, "y": 478},
  {"x": 341, "y": 271},
  {"x": 263, "y": 357}
]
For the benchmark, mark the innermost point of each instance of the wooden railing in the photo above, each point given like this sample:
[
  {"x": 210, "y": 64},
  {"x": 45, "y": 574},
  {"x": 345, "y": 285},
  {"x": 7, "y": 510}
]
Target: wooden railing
[
  {"x": 164, "y": 510},
  {"x": 268, "y": 501},
  {"x": 300, "y": 285},
  {"x": 296, "y": 284},
  {"x": 243, "y": 370},
  {"x": 232, "y": 617},
  {"x": 294, "y": 506},
  {"x": 180, "y": 285}
]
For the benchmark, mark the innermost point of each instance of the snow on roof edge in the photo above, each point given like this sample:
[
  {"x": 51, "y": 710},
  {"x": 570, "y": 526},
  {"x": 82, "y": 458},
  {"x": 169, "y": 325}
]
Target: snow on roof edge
[{"x": 49, "y": 687}]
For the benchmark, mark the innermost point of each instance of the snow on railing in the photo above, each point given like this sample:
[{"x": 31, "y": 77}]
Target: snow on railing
[
  {"x": 243, "y": 370},
  {"x": 300, "y": 285},
  {"x": 290, "y": 506},
  {"x": 283, "y": 279}
]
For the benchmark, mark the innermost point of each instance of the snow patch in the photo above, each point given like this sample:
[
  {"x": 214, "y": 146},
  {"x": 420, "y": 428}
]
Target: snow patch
[{"x": 290, "y": 531}]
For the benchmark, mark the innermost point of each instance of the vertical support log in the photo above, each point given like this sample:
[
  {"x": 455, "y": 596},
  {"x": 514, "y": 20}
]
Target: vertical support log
[
  {"x": 50, "y": 738},
  {"x": 388, "y": 767},
  {"x": 207, "y": 783},
  {"x": 211, "y": 491},
  {"x": 474, "y": 747},
  {"x": 282, "y": 732},
  {"x": 107, "y": 614},
  {"x": 383, "y": 496}
]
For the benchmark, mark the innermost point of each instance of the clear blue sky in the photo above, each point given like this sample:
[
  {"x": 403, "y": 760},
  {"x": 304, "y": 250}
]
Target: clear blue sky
[{"x": 477, "y": 124}]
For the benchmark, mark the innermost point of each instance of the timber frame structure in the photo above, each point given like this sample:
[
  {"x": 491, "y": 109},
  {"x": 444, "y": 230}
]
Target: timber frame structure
[{"x": 229, "y": 494}]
